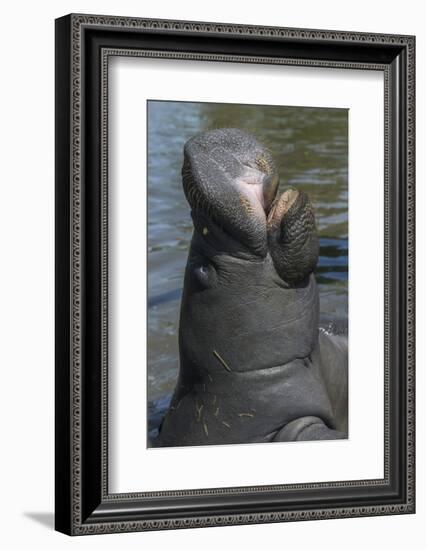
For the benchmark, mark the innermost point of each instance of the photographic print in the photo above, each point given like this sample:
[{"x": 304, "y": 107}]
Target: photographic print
[{"x": 247, "y": 273}]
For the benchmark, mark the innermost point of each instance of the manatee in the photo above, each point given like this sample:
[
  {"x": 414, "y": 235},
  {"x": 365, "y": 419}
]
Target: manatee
[{"x": 254, "y": 366}]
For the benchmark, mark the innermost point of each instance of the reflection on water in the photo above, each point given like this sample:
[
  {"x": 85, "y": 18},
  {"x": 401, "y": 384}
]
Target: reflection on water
[{"x": 310, "y": 148}]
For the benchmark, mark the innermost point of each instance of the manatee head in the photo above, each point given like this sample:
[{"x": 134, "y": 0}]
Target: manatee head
[
  {"x": 249, "y": 293},
  {"x": 231, "y": 182},
  {"x": 231, "y": 179}
]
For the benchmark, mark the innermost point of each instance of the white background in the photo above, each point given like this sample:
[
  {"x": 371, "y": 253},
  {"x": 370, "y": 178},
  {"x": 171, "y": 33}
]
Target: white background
[
  {"x": 133, "y": 80},
  {"x": 26, "y": 218}
]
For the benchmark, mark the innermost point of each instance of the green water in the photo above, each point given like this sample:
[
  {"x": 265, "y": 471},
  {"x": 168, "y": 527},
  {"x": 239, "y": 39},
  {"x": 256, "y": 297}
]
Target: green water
[{"x": 310, "y": 148}]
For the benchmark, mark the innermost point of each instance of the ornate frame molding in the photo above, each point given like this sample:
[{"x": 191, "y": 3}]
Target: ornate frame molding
[{"x": 84, "y": 508}]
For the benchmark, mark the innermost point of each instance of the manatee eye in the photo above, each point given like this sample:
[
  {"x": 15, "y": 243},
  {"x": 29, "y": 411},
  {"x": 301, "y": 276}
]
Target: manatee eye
[{"x": 205, "y": 275}]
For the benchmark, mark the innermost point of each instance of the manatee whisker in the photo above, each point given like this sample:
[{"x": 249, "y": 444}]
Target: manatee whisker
[
  {"x": 191, "y": 192},
  {"x": 205, "y": 429},
  {"x": 246, "y": 414},
  {"x": 198, "y": 409},
  {"x": 215, "y": 353},
  {"x": 246, "y": 204},
  {"x": 226, "y": 424}
]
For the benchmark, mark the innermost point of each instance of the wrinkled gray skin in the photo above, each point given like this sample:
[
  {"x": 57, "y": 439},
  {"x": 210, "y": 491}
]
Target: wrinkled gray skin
[{"x": 253, "y": 365}]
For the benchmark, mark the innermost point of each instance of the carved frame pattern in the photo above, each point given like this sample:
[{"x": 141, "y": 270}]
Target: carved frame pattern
[{"x": 70, "y": 516}]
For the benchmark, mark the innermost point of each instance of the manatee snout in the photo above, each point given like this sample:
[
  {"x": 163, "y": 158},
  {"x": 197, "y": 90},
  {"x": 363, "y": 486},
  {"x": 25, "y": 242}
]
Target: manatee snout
[{"x": 230, "y": 179}]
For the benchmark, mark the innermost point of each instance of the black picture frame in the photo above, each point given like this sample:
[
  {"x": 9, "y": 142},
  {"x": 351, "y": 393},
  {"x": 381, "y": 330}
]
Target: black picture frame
[{"x": 83, "y": 45}]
